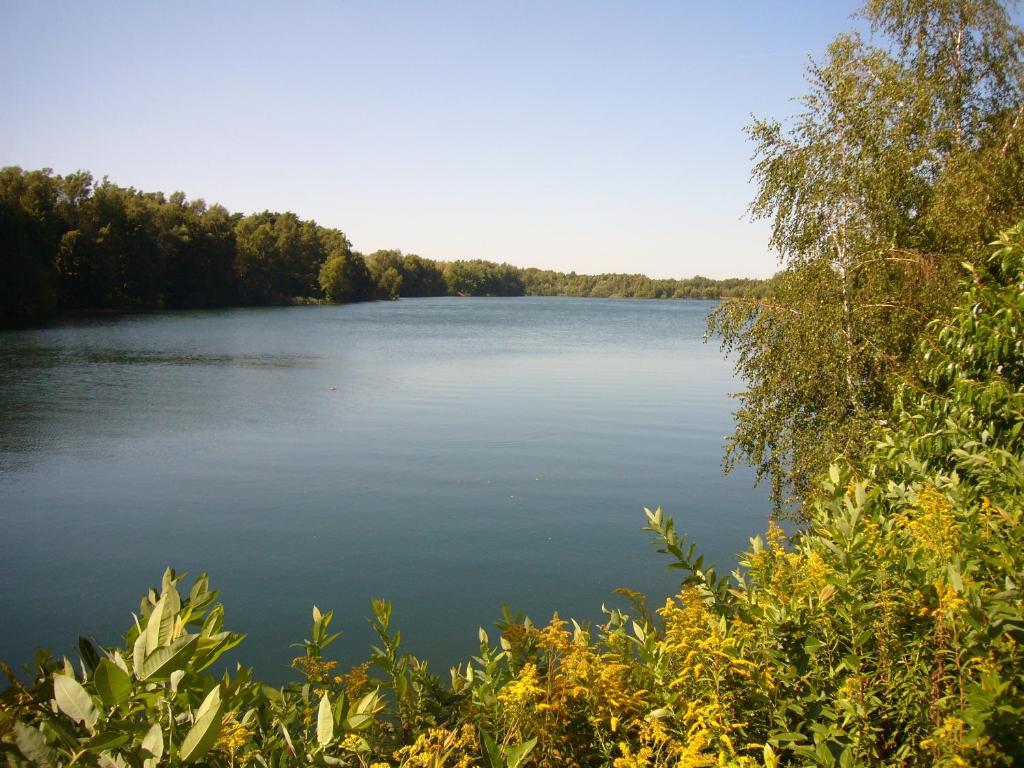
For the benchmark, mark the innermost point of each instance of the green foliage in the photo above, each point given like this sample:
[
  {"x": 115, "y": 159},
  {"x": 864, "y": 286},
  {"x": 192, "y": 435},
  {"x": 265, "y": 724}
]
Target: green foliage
[
  {"x": 545, "y": 282},
  {"x": 72, "y": 244},
  {"x": 387, "y": 268},
  {"x": 345, "y": 277},
  {"x": 422, "y": 277},
  {"x": 124, "y": 249},
  {"x": 889, "y": 632},
  {"x": 30, "y": 232},
  {"x": 279, "y": 256},
  {"x": 482, "y": 278},
  {"x": 907, "y": 158}
]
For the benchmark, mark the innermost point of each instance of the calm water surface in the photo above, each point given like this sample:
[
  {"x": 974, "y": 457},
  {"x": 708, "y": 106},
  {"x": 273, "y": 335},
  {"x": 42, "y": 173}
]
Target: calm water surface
[{"x": 449, "y": 454}]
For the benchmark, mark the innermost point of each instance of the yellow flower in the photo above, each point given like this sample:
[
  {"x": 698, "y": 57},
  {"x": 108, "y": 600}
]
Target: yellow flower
[
  {"x": 932, "y": 525},
  {"x": 356, "y": 680},
  {"x": 554, "y": 637},
  {"x": 776, "y": 538},
  {"x": 352, "y": 743},
  {"x": 316, "y": 669},
  {"x": 951, "y": 602},
  {"x": 946, "y": 743},
  {"x": 524, "y": 690},
  {"x": 437, "y": 746},
  {"x": 519, "y": 698},
  {"x": 233, "y": 736},
  {"x": 811, "y": 574}
]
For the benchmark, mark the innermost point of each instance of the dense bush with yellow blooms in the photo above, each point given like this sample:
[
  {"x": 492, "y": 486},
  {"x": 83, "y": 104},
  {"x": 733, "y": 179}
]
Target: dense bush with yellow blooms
[{"x": 889, "y": 631}]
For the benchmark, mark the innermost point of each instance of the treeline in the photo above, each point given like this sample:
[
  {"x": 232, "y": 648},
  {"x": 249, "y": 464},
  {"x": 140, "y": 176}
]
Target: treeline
[
  {"x": 545, "y": 282},
  {"x": 71, "y": 243}
]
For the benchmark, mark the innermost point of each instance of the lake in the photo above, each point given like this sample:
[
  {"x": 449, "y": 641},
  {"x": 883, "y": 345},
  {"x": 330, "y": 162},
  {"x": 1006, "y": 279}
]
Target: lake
[{"x": 448, "y": 454}]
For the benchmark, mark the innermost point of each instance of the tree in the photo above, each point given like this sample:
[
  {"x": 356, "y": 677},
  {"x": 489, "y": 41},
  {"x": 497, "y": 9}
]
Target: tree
[
  {"x": 869, "y": 192},
  {"x": 256, "y": 259},
  {"x": 422, "y": 277},
  {"x": 345, "y": 277},
  {"x": 280, "y": 255},
  {"x": 389, "y": 285},
  {"x": 30, "y": 231},
  {"x": 477, "y": 277},
  {"x": 386, "y": 268},
  {"x": 201, "y": 271}
]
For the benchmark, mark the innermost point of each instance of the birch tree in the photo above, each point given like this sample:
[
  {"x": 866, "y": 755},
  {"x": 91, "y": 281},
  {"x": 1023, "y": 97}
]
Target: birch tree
[{"x": 874, "y": 191}]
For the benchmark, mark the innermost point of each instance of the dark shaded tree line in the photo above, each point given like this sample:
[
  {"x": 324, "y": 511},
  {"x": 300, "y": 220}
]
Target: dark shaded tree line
[{"x": 72, "y": 244}]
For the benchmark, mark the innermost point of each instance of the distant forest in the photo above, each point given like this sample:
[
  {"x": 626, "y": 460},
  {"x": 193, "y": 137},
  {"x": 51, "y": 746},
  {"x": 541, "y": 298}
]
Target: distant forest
[{"x": 74, "y": 244}]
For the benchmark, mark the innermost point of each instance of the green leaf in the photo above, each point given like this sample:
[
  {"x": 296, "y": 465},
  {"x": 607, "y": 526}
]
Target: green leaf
[
  {"x": 200, "y": 588},
  {"x": 356, "y": 721},
  {"x": 955, "y": 578},
  {"x": 369, "y": 703},
  {"x": 90, "y": 656},
  {"x": 515, "y": 755},
  {"x": 112, "y": 683},
  {"x": 153, "y": 742},
  {"x": 324, "y": 722},
  {"x": 73, "y": 700},
  {"x": 31, "y": 744},
  {"x": 211, "y": 701},
  {"x": 139, "y": 653},
  {"x": 169, "y": 658},
  {"x": 175, "y": 679},
  {"x": 787, "y": 737},
  {"x": 205, "y": 730},
  {"x": 275, "y": 695},
  {"x": 361, "y": 713},
  {"x": 160, "y": 624},
  {"x": 639, "y": 632},
  {"x": 492, "y": 750},
  {"x": 118, "y": 659},
  {"x": 104, "y": 741},
  {"x": 212, "y": 648},
  {"x": 287, "y": 738}
]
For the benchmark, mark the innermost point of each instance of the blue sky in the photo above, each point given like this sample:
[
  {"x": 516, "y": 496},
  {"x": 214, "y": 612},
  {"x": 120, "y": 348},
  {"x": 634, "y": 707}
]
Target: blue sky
[{"x": 595, "y": 136}]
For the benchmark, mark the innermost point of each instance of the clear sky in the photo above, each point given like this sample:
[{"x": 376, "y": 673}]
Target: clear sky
[{"x": 589, "y": 136}]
